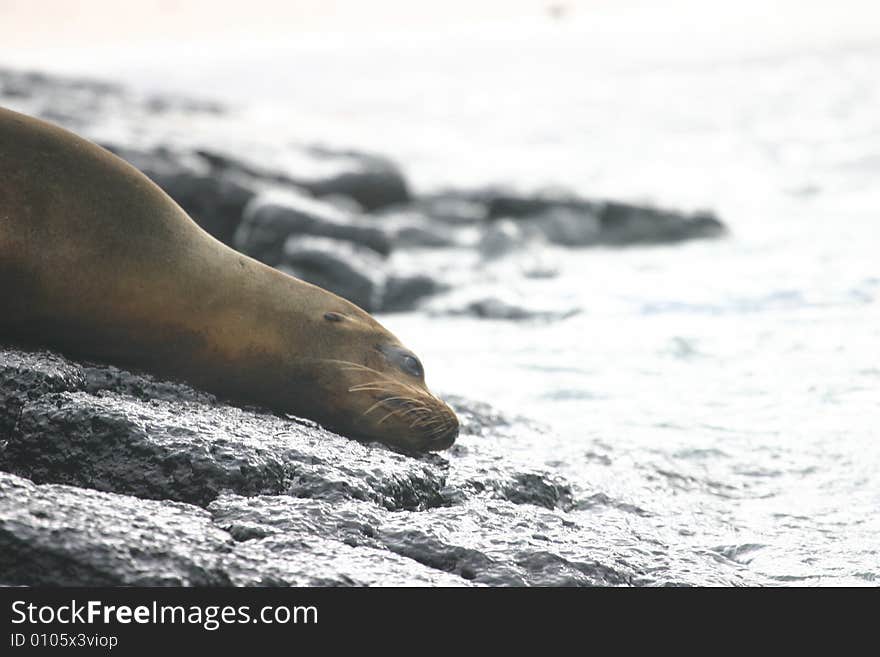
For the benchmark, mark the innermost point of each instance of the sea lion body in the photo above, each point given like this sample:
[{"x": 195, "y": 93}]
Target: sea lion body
[{"x": 97, "y": 261}]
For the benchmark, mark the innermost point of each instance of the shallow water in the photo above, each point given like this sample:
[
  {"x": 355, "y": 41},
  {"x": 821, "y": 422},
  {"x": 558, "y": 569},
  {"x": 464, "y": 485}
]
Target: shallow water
[
  {"x": 725, "y": 389},
  {"x": 714, "y": 402}
]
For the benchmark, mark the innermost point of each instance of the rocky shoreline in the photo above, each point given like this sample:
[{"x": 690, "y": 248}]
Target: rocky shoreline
[
  {"x": 110, "y": 477},
  {"x": 345, "y": 220},
  {"x": 113, "y": 477}
]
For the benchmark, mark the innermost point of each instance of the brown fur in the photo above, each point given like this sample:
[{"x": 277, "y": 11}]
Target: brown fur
[{"x": 97, "y": 261}]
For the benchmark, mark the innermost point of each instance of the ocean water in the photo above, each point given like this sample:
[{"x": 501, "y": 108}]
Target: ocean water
[
  {"x": 729, "y": 389},
  {"x": 726, "y": 390}
]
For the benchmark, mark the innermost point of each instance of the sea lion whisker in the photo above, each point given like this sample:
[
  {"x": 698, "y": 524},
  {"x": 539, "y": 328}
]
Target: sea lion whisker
[
  {"x": 427, "y": 420},
  {"x": 403, "y": 412},
  {"x": 438, "y": 430},
  {"x": 394, "y": 412},
  {"x": 352, "y": 366},
  {"x": 414, "y": 409},
  {"x": 422, "y": 419},
  {"x": 433, "y": 418},
  {"x": 359, "y": 369},
  {"x": 385, "y": 401},
  {"x": 367, "y": 387}
]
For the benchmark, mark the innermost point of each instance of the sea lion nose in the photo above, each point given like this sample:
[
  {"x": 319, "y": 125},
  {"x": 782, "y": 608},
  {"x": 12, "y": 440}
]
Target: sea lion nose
[{"x": 447, "y": 438}]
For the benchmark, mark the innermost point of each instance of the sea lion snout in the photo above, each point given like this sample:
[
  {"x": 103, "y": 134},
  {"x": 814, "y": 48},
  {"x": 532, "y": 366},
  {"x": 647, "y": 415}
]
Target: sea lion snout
[
  {"x": 393, "y": 404},
  {"x": 445, "y": 439},
  {"x": 415, "y": 425},
  {"x": 370, "y": 386}
]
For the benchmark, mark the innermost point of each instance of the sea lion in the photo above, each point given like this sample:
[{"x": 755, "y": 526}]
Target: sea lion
[{"x": 97, "y": 261}]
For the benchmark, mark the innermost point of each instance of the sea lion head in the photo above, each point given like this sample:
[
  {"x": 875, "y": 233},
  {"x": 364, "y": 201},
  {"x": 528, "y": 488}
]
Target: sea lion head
[{"x": 368, "y": 385}]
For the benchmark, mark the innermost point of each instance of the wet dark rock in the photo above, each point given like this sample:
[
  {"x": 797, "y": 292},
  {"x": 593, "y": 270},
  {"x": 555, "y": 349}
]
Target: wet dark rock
[
  {"x": 285, "y": 560},
  {"x": 410, "y": 229},
  {"x": 404, "y": 293},
  {"x": 348, "y": 530},
  {"x": 113, "y": 443},
  {"x": 183, "y": 450},
  {"x": 540, "y": 270},
  {"x": 495, "y": 308},
  {"x": 107, "y": 479},
  {"x": 600, "y": 500},
  {"x": 344, "y": 204},
  {"x": 269, "y": 220},
  {"x": 65, "y": 536},
  {"x": 27, "y": 376},
  {"x": 502, "y": 238},
  {"x": 565, "y": 219},
  {"x": 15, "y": 87},
  {"x": 539, "y": 489},
  {"x": 246, "y": 518},
  {"x": 82, "y": 104},
  {"x": 145, "y": 387},
  {"x": 421, "y": 236},
  {"x": 552, "y": 570},
  {"x": 511, "y": 205},
  {"x": 53, "y": 535},
  {"x": 568, "y": 227},
  {"x": 623, "y": 223},
  {"x": 462, "y": 540},
  {"x": 219, "y": 193},
  {"x": 190, "y": 452},
  {"x": 478, "y": 418},
  {"x": 73, "y": 102},
  {"x": 353, "y": 272},
  {"x": 288, "y": 503},
  {"x": 495, "y": 543},
  {"x": 164, "y": 104},
  {"x": 452, "y": 208},
  {"x": 434, "y": 552},
  {"x": 374, "y": 182}
]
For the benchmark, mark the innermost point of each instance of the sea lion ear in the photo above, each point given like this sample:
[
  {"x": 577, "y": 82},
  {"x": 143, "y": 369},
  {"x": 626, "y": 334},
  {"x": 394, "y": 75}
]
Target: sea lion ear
[{"x": 334, "y": 317}]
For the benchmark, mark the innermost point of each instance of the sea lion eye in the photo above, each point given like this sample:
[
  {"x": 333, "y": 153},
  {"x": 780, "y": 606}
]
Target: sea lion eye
[
  {"x": 402, "y": 358},
  {"x": 334, "y": 317},
  {"x": 411, "y": 365}
]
